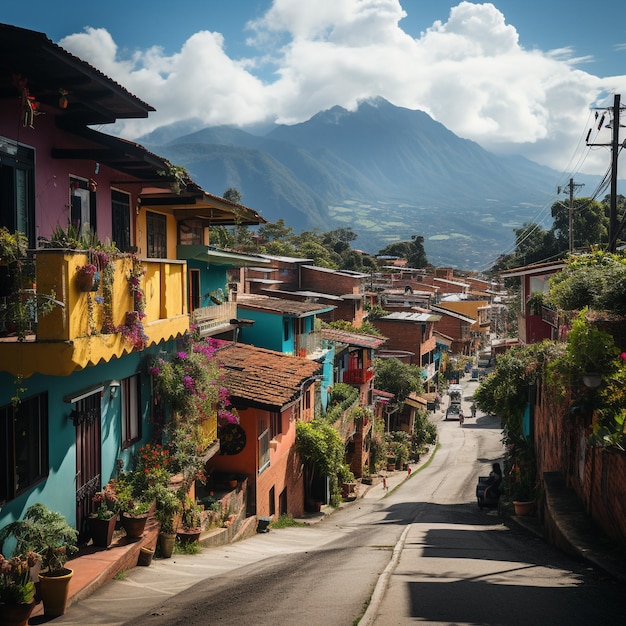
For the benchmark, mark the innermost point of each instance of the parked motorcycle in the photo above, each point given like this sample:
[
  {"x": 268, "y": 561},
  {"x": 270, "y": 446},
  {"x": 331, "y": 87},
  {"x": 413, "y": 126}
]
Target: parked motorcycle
[{"x": 489, "y": 488}]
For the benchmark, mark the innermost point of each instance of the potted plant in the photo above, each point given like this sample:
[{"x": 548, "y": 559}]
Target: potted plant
[
  {"x": 134, "y": 518},
  {"x": 191, "y": 521},
  {"x": 102, "y": 522},
  {"x": 346, "y": 480},
  {"x": 535, "y": 302},
  {"x": 167, "y": 510},
  {"x": 48, "y": 534},
  {"x": 134, "y": 510},
  {"x": 17, "y": 589},
  {"x": 87, "y": 278}
]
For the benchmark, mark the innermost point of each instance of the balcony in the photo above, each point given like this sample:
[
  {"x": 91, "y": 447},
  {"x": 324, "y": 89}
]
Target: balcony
[
  {"x": 74, "y": 335},
  {"x": 210, "y": 320},
  {"x": 309, "y": 343},
  {"x": 358, "y": 376}
]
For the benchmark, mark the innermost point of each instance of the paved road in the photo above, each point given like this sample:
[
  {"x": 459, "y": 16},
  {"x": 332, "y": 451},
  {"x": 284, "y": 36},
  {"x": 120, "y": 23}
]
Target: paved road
[
  {"x": 460, "y": 566},
  {"x": 423, "y": 554}
]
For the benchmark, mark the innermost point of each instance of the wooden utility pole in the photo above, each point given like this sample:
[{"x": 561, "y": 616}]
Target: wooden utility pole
[
  {"x": 614, "y": 152},
  {"x": 572, "y": 186},
  {"x": 615, "y": 146}
]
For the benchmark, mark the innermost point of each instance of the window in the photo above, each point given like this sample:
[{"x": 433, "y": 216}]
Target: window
[
  {"x": 264, "y": 446},
  {"x": 156, "y": 226},
  {"x": 286, "y": 327},
  {"x": 83, "y": 206},
  {"x": 17, "y": 188},
  {"x": 130, "y": 395},
  {"x": 276, "y": 424},
  {"x": 120, "y": 215},
  {"x": 23, "y": 446},
  {"x": 191, "y": 233}
]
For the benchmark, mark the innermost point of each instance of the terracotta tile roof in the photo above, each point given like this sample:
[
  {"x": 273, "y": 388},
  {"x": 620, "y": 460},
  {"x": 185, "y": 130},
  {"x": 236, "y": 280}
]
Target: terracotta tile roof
[
  {"x": 280, "y": 305},
  {"x": 264, "y": 378},
  {"x": 354, "y": 339}
]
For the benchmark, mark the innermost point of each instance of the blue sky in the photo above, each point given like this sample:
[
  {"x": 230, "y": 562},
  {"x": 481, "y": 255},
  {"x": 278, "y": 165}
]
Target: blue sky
[{"x": 516, "y": 76}]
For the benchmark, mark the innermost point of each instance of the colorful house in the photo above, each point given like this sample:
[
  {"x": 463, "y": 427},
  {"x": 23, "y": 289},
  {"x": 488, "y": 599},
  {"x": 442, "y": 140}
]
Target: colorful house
[
  {"x": 535, "y": 321},
  {"x": 271, "y": 392},
  {"x": 75, "y": 394},
  {"x": 354, "y": 353}
]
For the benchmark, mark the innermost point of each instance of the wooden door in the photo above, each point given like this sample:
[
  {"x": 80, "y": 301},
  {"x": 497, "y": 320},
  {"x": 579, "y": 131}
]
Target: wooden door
[{"x": 87, "y": 418}]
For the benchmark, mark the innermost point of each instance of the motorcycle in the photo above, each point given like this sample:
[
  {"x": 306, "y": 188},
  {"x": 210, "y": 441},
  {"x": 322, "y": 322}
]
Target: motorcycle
[{"x": 488, "y": 489}]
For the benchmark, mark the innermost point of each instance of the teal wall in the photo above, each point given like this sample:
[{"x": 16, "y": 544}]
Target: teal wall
[
  {"x": 266, "y": 332},
  {"x": 58, "y": 491},
  {"x": 211, "y": 278}
]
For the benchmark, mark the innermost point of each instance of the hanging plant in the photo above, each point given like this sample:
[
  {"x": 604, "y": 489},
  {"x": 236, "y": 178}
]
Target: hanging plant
[
  {"x": 87, "y": 278},
  {"x": 132, "y": 329}
]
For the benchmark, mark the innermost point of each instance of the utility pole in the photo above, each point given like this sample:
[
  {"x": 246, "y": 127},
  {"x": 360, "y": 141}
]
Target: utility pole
[
  {"x": 615, "y": 146},
  {"x": 572, "y": 186}
]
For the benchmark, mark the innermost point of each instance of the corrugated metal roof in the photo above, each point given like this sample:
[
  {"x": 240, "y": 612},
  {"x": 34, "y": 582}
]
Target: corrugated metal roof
[{"x": 406, "y": 316}]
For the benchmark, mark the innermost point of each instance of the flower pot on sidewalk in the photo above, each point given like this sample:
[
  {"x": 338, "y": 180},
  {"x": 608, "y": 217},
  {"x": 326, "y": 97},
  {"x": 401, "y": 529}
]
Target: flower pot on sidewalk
[
  {"x": 523, "y": 508},
  {"x": 145, "y": 556},
  {"x": 166, "y": 544},
  {"x": 55, "y": 592}
]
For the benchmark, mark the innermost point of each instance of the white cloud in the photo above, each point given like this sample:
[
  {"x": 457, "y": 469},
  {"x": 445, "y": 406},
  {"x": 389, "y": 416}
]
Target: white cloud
[{"x": 470, "y": 73}]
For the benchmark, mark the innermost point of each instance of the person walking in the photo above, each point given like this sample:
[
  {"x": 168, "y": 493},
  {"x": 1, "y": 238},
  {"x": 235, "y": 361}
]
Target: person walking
[{"x": 461, "y": 419}]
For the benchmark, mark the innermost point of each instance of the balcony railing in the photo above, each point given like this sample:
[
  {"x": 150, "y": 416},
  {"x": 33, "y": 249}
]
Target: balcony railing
[
  {"x": 211, "y": 318},
  {"x": 309, "y": 343},
  {"x": 358, "y": 376},
  {"x": 87, "y": 326}
]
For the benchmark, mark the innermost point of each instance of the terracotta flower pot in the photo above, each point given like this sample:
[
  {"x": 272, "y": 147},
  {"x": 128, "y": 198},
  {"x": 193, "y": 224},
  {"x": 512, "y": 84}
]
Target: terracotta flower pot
[
  {"x": 134, "y": 525},
  {"x": 145, "y": 556},
  {"x": 16, "y": 614},
  {"x": 102, "y": 531},
  {"x": 166, "y": 544},
  {"x": 523, "y": 508},
  {"x": 55, "y": 592},
  {"x": 188, "y": 535}
]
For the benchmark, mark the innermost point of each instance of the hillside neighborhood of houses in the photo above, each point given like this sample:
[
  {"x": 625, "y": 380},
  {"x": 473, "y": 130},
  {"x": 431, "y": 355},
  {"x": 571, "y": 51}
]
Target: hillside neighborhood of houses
[{"x": 87, "y": 328}]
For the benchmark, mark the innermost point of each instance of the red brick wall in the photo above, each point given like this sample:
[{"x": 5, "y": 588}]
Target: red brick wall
[
  {"x": 328, "y": 282},
  {"x": 401, "y": 336},
  {"x": 598, "y": 476}
]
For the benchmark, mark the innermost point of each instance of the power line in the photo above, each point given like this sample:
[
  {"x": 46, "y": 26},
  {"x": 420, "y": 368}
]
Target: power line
[
  {"x": 572, "y": 186},
  {"x": 614, "y": 112}
]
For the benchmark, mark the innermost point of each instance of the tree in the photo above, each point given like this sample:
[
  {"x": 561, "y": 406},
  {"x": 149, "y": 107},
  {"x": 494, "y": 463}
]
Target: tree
[
  {"x": 413, "y": 251},
  {"x": 394, "y": 376},
  {"x": 590, "y": 223},
  {"x": 275, "y": 231},
  {"x": 533, "y": 245},
  {"x": 233, "y": 195},
  {"x": 321, "y": 449}
]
